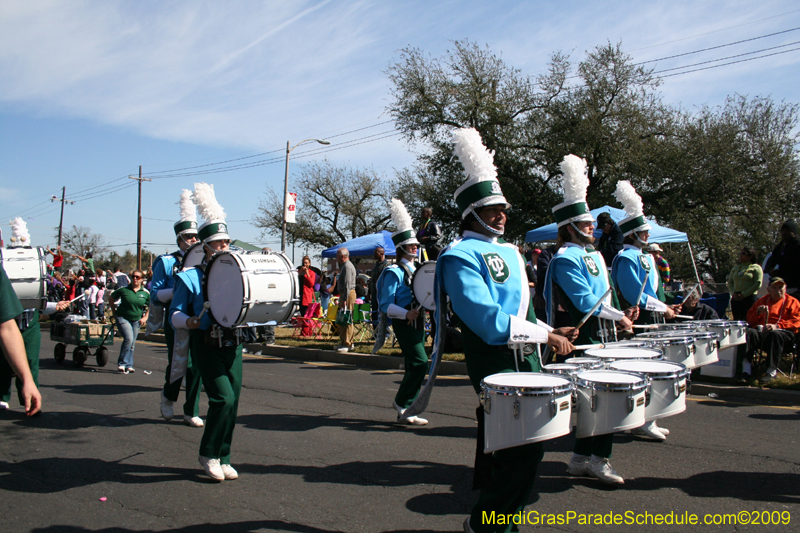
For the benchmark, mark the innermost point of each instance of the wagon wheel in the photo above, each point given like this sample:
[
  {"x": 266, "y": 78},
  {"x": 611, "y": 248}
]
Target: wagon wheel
[
  {"x": 79, "y": 355},
  {"x": 102, "y": 356},
  {"x": 60, "y": 352}
]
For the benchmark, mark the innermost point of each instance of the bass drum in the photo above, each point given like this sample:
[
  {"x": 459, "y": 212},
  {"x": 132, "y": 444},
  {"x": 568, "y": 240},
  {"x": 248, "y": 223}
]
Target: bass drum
[
  {"x": 193, "y": 256},
  {"x": 422, "y": 285},
  {"x": 26, "y": 269},
  {"x": 256, "y": 288}
]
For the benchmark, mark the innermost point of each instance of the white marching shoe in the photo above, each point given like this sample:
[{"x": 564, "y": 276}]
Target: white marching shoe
[
  {"x": 649, "y": 430},
  {"x": 578, "y": 467},
  {"x": 193, "y": 421},
  {"x": 604, "y": 472},
  {"x": 212, "y": 468},
  {"x": 229, "y": 472},
  {"x": 409, "y": 420}
]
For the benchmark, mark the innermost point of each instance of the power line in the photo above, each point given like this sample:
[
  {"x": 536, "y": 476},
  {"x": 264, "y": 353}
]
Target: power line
[
  {"x": 730, "y": 57},
  {"x": 731, "y": 63}
]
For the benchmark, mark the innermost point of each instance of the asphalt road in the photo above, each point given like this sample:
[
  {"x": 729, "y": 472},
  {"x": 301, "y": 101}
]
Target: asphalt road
[{"x": 318, "y": 452}]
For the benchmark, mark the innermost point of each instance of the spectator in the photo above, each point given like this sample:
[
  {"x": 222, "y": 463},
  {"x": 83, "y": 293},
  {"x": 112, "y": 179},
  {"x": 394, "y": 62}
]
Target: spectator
[
  {"x": 430, "y": 234},
  {"x": 380, "y": 264},
  {"x": 346, "y": 285},
  {"x": 325, "y": 288},
  {"x": 691, "y": 306},
  {"x": 307, "y": 280},
  {"x": 531, "y": 259},
  {"x": 131, "y": 315},
  {"x": 743, "y": 283},
  {"x": 91, "y": 299},
  {"x": 785, "y": 259},
  {"x": 100, "y": 304},
  {"x": 661, "y": 263},
  {"x": 88, "y": 262},
  {"x": 58, "y": 258},
  {"x": 121, "y": 279},
  {"x": 610, "y": 243},
  {"x": 100, "y": 276},
  {"x": 361, "y": 286},
  {"x": 774, "y": 320}
]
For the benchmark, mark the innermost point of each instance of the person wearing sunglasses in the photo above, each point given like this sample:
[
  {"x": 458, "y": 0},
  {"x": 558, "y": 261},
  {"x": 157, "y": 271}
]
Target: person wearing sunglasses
[{"x": 130, "y": 314}]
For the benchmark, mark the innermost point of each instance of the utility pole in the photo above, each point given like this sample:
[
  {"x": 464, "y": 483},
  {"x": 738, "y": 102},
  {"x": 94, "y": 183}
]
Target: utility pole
[
  {"x": 140, "y": 179},
  {"x": 61, "y": 221}
]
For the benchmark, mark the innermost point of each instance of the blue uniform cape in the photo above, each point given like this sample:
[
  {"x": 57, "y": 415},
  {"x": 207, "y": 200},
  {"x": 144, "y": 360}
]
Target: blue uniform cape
[{"x": 628, "y": 271}]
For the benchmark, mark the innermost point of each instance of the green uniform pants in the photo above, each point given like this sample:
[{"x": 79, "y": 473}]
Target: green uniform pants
[
  {"x": 599, "y": 445},
  {"x": 32, "y": 338},
  {"x": 412, "y": 343},
  {"x": 221, "y": 372},
  {"x": 171, "y": 390}
]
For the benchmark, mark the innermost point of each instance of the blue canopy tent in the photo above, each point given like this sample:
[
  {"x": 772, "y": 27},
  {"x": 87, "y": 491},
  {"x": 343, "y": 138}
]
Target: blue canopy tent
[
  {"x": 657, "y": 234},
  {"x": 365, "y": 245}
]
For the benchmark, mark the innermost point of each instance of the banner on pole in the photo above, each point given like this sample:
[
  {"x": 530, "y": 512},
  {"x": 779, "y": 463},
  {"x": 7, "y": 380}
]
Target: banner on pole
[{"x": 291, "y": 207}]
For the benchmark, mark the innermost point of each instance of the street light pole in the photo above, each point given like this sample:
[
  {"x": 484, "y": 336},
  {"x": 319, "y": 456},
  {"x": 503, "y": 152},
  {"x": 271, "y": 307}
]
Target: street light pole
[{"x": 286, "y": 185}]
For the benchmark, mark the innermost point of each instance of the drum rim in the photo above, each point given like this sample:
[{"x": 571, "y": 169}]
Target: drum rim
[
  {"x": 414, "y": 276},
  {"x": 684, "y": 340},
  {"x": 658, "y": 353},
  {"x": 613, "y": 387},
  {"x": 678, "y": 373},
  {"x": 511, "y": 390}
]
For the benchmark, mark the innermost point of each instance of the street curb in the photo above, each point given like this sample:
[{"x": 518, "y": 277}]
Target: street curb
[{"x": 383, "y": 362}]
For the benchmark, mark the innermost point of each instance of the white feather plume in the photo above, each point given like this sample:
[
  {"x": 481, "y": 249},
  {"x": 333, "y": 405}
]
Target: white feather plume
[
  {"x": 19, "y": 230},
  {"x": 478, "y": 162},
  {"x": 629, "y": 198},
  {"x": 576, "y": 179},
  {"x": 206, "y": 202},
  {"x": 188, "y": 211},
  {"x": 400, "y": 217}
]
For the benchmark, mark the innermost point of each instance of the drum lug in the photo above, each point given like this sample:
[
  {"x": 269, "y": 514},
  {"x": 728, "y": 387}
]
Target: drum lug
[
  {"x": 631, "y": 402},
  {"x": 553, "y": 405},
  {"x": 486, "y": 400},
  {"x": 676, "y": 387},
  {"x": 516, "y": 408},
  {"x": 647, "y": 391},
  {"x": 594, "y": 399},
  {"x": 692, "y": 349}
]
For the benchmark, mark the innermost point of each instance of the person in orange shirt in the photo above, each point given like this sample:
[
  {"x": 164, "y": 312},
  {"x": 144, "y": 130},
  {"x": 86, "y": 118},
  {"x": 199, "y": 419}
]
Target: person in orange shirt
[{"x": 774, "y": 321}]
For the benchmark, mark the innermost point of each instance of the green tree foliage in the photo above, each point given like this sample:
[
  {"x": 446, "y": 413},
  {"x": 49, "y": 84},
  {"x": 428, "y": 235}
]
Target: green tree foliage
[
  {"x": 336, "y": 204},
  {"x": 727, "y": 176}
]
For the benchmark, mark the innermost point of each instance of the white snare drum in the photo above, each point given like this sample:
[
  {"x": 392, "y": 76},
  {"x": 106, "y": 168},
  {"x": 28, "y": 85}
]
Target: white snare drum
[
  {"x": 422, "y": 285},
  {"x": 562, "y": 369},
  {"x": 730, "y": 332},
  {"x": 607, "y": 355},
  {"x": 586, "y": 363},
  {"x": 193, "y": 256},
  {"x": 524, "y": 407},
  {"x": 633, "y": 343},
  {"x": 706, "y": 344},
  {"x": 609, "y": 401},
  {"x": 667, "y": 387},
  {"x": 677, "y": 327},
  {"x": 677, "y": 347},
  {"x": 255, "y": 288},
  {"x": 26, "y": 269}
]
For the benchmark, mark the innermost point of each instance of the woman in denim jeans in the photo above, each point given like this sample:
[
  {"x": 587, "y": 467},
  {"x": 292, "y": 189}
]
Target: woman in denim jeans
[{"x": 134, "y": 302}]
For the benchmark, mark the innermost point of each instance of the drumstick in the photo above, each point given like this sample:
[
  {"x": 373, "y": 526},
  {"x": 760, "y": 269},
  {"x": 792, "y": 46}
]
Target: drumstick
[
  {"x": 78, "y": 298},
  {"x": 589, "y": 346},
  {"x": 206, "y": 305},
  {"x": 641, "y": 292},
  {"x": 646, "y": 326},
  {"x": 593, "y": 309},
  {"x": 685, "y": 316}
]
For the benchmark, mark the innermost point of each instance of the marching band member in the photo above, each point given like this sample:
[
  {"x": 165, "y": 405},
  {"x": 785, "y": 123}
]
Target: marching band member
[
  {"x": 28, "y": 323},
  {"x": 216, "y": 353},
  {"x": 165, "y": 268},
  {"x": 577, "y": 279},
  {"x": 630, "y": 268},
  {"x": 398, "y": 303},
  {"x": 484, "y": 276}
]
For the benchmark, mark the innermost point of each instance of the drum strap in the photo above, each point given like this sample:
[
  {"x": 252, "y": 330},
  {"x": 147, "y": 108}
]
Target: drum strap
[
  {"x": 419, "y": 323},
  {"x": 482, "y": 473}
]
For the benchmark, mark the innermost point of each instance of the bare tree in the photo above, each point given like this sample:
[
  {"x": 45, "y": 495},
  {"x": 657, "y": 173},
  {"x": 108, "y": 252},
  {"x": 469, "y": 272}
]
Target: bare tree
[{"x": 334, "y": 204}]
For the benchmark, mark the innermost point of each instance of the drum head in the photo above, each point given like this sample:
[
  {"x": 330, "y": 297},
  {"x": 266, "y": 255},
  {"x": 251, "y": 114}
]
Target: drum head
[
  {"x": 648, "y": 367},
  {"x": 193, "y": 256},
  {"x": 224, "y": 289},
  {"x": 525, "y": 380},
  {"x": 624, "y": 353},
  {"x": 422, "y": 285},
  {"x": 609, "y": 377}
]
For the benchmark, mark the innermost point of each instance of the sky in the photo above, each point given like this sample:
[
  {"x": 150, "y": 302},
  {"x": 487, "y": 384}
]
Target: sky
[{"x": 92, "y": 90}]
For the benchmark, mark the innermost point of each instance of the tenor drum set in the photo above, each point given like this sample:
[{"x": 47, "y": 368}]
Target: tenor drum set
[{"x": 26, "y": 268}]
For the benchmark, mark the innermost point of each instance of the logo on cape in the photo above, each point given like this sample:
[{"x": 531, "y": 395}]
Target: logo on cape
[
  {"x": 644, "y": 262},
  {"x": 498, "y": 268},
  {"x": 591, "y": 264}
]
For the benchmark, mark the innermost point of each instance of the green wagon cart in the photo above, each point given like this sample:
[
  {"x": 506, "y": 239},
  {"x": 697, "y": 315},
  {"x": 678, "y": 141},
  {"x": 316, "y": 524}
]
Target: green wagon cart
[{"x": 85, "y": 336}]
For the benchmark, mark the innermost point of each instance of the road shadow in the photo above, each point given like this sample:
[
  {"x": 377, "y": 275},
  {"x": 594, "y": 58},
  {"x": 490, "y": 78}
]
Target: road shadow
[
  {"x": 301, "y": 423},
  {"x": 230, "y": 527},
  {"x": 79, "y": 420},
  {"x": 104, "y": 389},
  {"x": 745, "y": 486}
]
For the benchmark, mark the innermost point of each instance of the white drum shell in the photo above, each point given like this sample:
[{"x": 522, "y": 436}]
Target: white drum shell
[
  {"x": 667, "y": 386},
  {"x": 194, "y": 256},
  {"x": 255, "y": 288},
  {"x": 678, "y": 349},
  {"x": 542, "y": 403},
  {"x": 26, "y": 269},
  {"x": 614, "y": 410},
  {"x": 422, "y": 285},
  {"x": 731, "y": 333}
]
